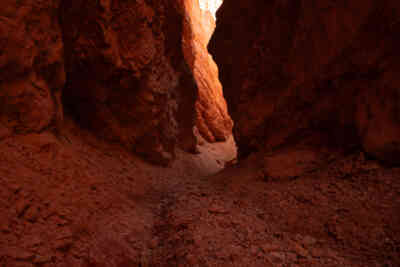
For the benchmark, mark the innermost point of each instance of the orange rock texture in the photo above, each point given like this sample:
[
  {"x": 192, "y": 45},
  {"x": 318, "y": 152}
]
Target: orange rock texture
[
  {"x": 126, "y": 74},
  {"x": 32, "y": 66},
  {"x": 213, "y": 121},
  {"x": 117, "y": 67},
  {"x": 313, "y": 88},
  {"x": 297, "y": 68}
]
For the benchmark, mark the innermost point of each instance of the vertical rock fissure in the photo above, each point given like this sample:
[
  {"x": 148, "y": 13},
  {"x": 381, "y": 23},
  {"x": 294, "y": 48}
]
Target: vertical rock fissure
[{"x": 213, "y": 121}]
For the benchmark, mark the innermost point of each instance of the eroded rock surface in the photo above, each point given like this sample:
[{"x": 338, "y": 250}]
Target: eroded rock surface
[
  {"x": 117, "y": 67},
  {"x": 118, "y": 64},
  {"x": 84, "y": 201},
  {"x": 127, "y": 77},
  {"x": 212, "y": 120},
  {"x": 290, "y": 68},
  {"x": 31, "y": 66}
]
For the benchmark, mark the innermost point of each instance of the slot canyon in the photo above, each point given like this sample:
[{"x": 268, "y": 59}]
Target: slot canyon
[{"x": 158, "y": 133}]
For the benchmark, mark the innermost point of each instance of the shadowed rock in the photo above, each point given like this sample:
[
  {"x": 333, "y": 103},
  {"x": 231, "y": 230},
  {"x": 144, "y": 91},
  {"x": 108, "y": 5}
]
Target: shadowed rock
[{"x": 311, "y": 65}]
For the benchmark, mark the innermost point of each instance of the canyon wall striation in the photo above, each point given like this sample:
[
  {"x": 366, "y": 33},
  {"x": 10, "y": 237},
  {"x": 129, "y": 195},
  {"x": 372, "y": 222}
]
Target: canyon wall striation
[{"x": 212, "y": 120}]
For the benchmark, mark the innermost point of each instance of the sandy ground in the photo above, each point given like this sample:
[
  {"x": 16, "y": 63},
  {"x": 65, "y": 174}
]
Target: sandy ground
[{"x": 77, "y": 201}]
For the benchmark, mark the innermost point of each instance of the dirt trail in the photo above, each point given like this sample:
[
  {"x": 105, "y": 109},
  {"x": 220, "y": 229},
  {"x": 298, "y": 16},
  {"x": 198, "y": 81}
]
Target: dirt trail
[
  {"x": 335, "y": 216},
  {"x": 75, "y": 200},
  {"x": 83, "y": 202}
]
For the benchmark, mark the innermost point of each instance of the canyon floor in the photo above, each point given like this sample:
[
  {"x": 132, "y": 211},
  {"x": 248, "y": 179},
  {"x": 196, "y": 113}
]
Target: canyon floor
[{"x": 74, "y": 200}]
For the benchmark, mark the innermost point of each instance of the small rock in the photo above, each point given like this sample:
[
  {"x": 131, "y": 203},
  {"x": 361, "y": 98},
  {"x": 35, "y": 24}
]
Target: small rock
[
  {"x": 277, "y": 256},
  {"x": 34, "y": 241},
  {"x": 4, "y": 132},
  {"x": 32, "y": 214},
  {"x": 154, "y": 243},
  {"x": 331, "y": 254},
  {"x": 42, "y": 259},
  {"x": 59, "y": 221},
  {"x": 300, "y": 250},
  {"x": 191, "y": 259},
  {"x": 64, "y": 233},
  {"x": 217, "y": 209},
  {"x": 317, "y": 252},
  {"x": 309, "y": 240},
  {"x": 21, "y": 207},
  {"x": 270, "y": 247},
  {"x": 254, "y": 250},
  {"x": 6, "y": 229},
  {"x": 291, "y": 256},
  {"x": 16, "y": 188},
  {"x": 63, "y": 244}
]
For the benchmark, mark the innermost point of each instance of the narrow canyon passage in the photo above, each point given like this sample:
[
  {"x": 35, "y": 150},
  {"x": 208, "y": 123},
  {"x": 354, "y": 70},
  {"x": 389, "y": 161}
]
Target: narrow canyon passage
[
  {"x": 213, "y": 122},
  {"x": 116, "y": 144}
]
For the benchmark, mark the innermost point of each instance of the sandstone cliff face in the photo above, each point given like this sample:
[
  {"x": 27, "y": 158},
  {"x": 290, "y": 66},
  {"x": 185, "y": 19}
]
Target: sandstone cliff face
[
  {"x": 31, "y": 66},
  {"x": 120, "y": 69},
  {"x": 118, "y": 64},
  {"x": 212, "y": 120},
  {"x": 290, "y": 68},
  {"x": 126, "y": 74}
]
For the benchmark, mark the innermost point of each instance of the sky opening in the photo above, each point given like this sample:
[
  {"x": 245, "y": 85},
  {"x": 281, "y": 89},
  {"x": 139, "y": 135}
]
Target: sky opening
[{"x": 211, "y": 5}]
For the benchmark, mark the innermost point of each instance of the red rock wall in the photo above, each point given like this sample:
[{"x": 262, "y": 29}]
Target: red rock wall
[
  {"x": 118, "y": 64},
  {"x": 127, "y": 78},
  {"x": 292, "y": 67},
  {"x": 31, "y": 66},
  {"x": 212, "y": 120}
]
